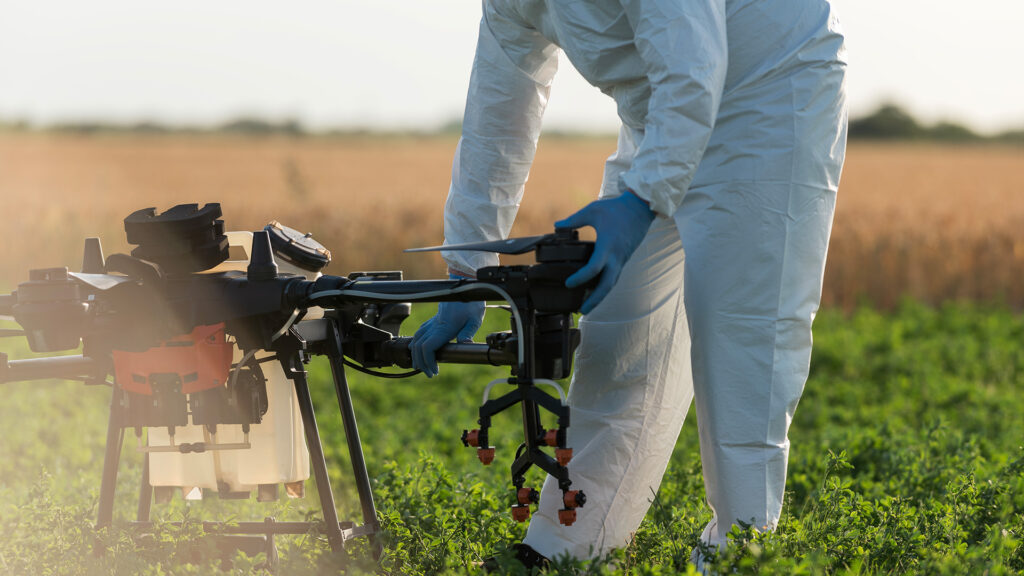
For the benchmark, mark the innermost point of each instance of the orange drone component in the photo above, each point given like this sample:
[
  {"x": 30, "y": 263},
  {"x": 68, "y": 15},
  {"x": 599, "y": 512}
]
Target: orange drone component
[{"x": 200, "y": 359}]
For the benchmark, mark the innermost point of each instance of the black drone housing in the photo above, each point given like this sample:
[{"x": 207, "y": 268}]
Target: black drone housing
[{"x": 182, "y": 240}]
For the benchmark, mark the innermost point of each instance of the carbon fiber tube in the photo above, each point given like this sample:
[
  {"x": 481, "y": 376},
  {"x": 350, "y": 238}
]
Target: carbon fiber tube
[
  {"x": 60, "y": 367},
  {"x": 475, "y": 354},
  {"x": 397, "y": 352}
]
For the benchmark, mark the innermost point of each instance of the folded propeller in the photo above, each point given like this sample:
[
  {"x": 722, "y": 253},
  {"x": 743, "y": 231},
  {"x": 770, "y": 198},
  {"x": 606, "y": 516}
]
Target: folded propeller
[{"x": 512, "y": 246}]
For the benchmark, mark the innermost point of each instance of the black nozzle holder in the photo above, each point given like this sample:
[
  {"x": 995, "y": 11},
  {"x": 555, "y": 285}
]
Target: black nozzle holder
[{"x": 261, "y": 260}]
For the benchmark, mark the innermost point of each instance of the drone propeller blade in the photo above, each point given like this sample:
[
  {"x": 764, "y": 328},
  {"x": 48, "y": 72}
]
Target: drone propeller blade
[
  {"x": 100, "y": 281},
  {"x": 509, "y": 246}
]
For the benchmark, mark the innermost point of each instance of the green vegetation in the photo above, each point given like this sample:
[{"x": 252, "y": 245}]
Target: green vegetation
[{"x": 906, "y": 458}]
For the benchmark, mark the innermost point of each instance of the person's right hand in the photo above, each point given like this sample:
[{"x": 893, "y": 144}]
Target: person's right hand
[
  {"x": 458, "y": 320},
  {"x": 621, "y": 224}
]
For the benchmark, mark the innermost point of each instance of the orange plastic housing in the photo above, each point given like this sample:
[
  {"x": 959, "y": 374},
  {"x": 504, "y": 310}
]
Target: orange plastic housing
[{"x": 201, "y": 360}]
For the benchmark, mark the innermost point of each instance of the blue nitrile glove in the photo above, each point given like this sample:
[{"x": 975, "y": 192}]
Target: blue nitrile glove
[
  {"x": 621, "y": 224},
  {"x": 458, "y": 320}
]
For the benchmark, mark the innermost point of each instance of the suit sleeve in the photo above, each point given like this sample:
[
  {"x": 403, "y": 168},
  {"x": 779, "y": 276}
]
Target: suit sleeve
[
  {"x": 508, "y": 91},
  {"x": 684, "y": 49}
]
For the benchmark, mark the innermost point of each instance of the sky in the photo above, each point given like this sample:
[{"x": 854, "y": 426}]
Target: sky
[{"x": 404, "y": 64}]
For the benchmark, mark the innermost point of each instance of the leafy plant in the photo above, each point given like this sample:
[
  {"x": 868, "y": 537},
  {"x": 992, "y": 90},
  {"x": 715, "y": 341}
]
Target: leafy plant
[{"x": 906, "y": 458}]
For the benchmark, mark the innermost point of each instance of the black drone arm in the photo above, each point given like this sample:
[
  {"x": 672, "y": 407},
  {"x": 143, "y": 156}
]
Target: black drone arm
[
  {"x": 397, "y": 352},
  {"x": 394, "y": 352}
]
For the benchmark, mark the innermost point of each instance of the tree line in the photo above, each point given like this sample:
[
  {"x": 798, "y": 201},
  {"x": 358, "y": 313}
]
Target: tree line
[
  {"x": 891, "y": 122},
  {"x": 887, "y": 122}
]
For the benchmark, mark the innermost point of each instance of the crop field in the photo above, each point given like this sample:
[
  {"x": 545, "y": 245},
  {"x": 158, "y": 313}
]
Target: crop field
[
  {"x": 907, "y": 449},
  {"x": 930, "y": 222}
]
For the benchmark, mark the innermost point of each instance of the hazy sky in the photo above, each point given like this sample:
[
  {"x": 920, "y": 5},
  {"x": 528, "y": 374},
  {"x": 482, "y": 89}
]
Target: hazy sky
[{"x": 405, "y": 63}]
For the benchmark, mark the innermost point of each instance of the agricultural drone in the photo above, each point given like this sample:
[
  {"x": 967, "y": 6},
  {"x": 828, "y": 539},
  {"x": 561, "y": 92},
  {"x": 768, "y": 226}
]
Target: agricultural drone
[{"x": 203, "y": 334}]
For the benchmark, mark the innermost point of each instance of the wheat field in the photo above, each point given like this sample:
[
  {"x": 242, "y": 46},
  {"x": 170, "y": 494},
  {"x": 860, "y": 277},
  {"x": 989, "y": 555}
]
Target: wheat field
[{"x": 931, "y": 222}]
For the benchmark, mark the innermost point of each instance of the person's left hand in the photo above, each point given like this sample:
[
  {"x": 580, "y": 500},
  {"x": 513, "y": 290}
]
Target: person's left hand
[
  {"x": 621, "y": 224},
  {"x": 458, "y": 320}
]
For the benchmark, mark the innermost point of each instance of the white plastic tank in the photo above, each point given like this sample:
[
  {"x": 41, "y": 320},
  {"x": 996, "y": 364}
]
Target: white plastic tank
[{"x": 278, "y": 453}]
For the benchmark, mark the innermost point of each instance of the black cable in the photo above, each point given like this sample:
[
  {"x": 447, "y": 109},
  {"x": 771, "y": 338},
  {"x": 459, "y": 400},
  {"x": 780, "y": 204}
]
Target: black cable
[
  {"x": 354, "y": 366},
  {"x": 519, "y": 451},
  {"x": 366, "y": 370}
]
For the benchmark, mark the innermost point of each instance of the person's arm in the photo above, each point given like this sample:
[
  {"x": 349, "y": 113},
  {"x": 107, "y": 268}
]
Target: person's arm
[
  {"x": 684, "y": 48},
  {"x": 508, "y": 91}
]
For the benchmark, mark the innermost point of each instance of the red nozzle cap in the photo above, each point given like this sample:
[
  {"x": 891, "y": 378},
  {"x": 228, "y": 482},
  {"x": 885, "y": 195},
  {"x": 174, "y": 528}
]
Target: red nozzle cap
[
  {"x": 551, "y": 437},
  {"x": 566, "y": 517},
  {"x": 527, "y": 496},
  {"x": 521, "y": 513},
  {"x": 573, "y": 499}
]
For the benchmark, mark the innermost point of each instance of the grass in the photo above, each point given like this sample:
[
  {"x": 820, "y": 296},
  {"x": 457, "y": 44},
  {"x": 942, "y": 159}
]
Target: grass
[{"x": 906, "y": 458}]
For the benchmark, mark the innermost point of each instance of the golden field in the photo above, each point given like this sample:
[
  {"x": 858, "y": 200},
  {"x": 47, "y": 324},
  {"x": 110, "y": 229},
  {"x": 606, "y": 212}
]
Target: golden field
[{"x": 927, "y": 221}]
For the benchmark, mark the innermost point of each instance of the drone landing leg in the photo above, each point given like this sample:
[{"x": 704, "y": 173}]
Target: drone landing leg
[
  {"x": 145, "y": 492},
  {"x": 316, "y": 454},
  {"x": 115, "y": 437},
  {"x": 355, "y": 447}
]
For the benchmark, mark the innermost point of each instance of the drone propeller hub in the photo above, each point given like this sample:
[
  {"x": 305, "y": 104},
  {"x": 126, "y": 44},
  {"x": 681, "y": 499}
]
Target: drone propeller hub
[{"x": 182, "y": 240}]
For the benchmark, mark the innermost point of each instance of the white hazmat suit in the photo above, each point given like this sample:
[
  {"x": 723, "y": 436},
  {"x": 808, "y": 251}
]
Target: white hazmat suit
[{"x": 733, "y": 129}]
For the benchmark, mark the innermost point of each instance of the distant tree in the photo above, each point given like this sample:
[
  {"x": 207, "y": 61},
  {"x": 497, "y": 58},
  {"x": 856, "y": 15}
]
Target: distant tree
[
  {"x": 889, "y": 122},
  {"x": 1011, "y": 137},
  {"x": 19, "y": 125},
  {"x": 256, "y": 126},
  {"x": 80, "y": 128},
  {"x": 951, "y": 132},
  {"x": 148, "y": 127}
]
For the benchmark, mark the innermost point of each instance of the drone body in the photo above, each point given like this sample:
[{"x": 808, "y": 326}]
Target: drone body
[{"x": 186, "y": 329}]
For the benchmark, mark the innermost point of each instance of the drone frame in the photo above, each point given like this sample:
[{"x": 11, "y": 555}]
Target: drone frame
[{"x": 536, "y": 295}]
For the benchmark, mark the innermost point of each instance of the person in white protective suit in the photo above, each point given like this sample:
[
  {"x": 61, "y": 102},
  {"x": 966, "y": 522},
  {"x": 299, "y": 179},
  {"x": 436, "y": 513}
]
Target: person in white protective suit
[{"x": 731, "y": 146}]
